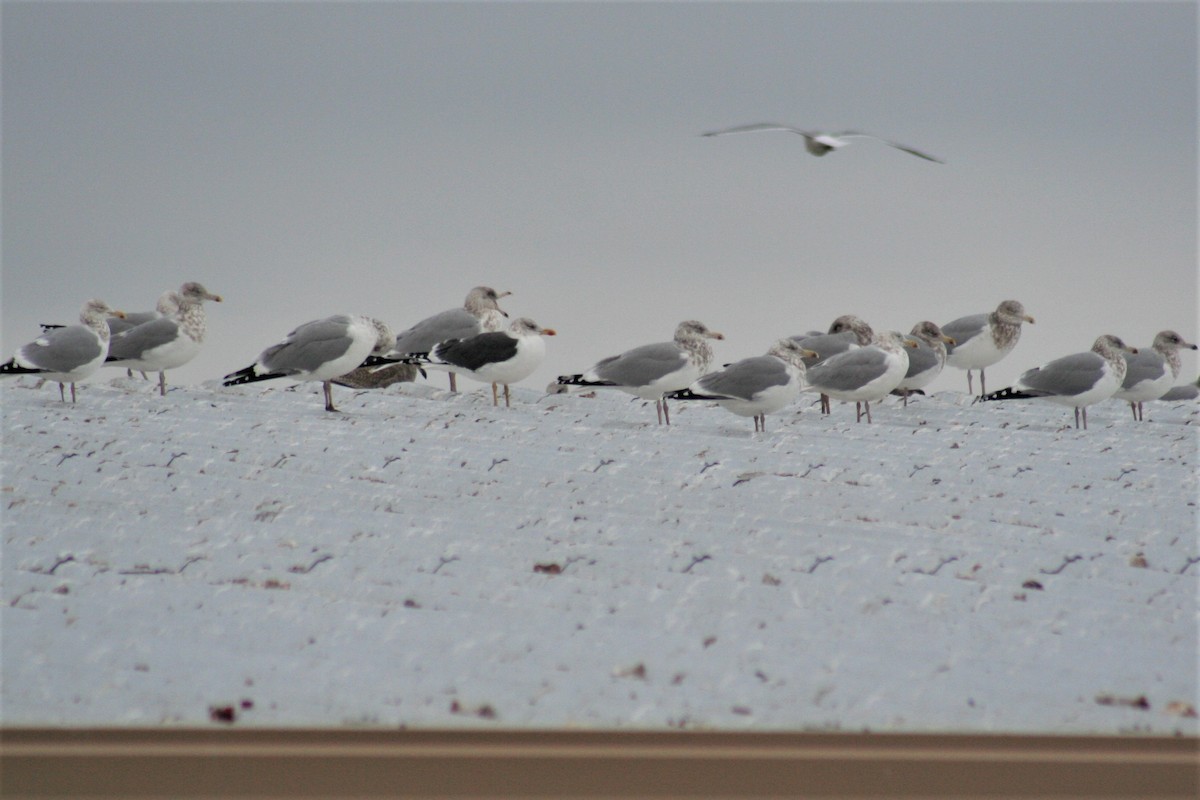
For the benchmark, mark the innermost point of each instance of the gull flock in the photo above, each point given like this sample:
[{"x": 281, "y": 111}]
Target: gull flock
[{"x": 850, "y": 361}]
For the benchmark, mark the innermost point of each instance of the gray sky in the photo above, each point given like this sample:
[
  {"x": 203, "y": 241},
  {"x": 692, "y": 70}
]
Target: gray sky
[{"x": 310, "y": 159}]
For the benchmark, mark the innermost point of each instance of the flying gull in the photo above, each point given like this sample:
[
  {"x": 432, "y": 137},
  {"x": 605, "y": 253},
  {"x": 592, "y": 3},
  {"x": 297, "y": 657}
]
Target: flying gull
[
  {"x": 925, "y": 362},
  {"x": 1151, "y": 372},
  {"x": 496, "y": 357},
  {"x": 652, "y": 370},
  {"x": 1076, "y": 380},
  {"x": 168, "y": 342},
  {"x": 983, "y": 339},
  {"x": 865, "y": 373},
  {"x": 320, "y": 350},
  {"x": 67, "y": 354},
  {"x": 754, "y": 387},
  {"x": 479, "y": 313},
  {"x": 817, "y": 142}
]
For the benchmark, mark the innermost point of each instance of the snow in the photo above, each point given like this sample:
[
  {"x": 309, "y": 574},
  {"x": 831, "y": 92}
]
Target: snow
[{"x": 427, "y": 560}]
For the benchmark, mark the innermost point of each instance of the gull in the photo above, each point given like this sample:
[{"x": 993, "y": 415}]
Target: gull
[
  {"x": 1151, "y": 371},
  {"x": 1076, "y": 380},
  {"x": 496, "y": 357},
  {"x": 754, "y": 387},
  {"x": 67, "y": 354},
  {"x": 165, "y": 305},
  {"x": 847, "y": 332},
  {"x": 479, "y": 313},
  {"x": 168, "y": 342},
  {"x": 652, "y": 370},
  {"x": 983, "y": 339},
  {"x": 925, "y": 362},
  {"x": 865, "y": 373},
  {"x": 1188, "y": 391},
  {"x": 818, "y": 142},
  {"x": 320, "y": 350}
]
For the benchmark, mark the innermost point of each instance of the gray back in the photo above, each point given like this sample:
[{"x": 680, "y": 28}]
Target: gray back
[
  {"x": 456, "y": 323},
  {"x": 964, "y": 328},
  {"x": 62, "y": 349},
  {"x": 309, "y": 346},
  {"x": 850, "y": 370},
  {"x": 746, "y": 378},
  {"x": 641, "y": 366},
  {"x": 1066, "y": 376}
]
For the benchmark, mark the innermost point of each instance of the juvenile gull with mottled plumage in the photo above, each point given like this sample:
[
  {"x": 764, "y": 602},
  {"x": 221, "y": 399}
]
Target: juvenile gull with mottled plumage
[{"x": 652, "y": 370}]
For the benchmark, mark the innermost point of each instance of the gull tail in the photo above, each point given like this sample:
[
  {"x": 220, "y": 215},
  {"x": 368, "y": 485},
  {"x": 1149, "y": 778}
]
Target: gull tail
[{"x": 248, "y": 375}]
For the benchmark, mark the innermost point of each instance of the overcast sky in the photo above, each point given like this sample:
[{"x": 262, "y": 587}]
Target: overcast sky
[{"x": 310, "y": 159}]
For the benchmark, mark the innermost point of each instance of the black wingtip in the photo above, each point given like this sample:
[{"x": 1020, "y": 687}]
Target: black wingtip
[
  {"x": 248, "y": 375},
  {"x": 688, "y": 394},
  {"x": 1008, "y": 393},
  {"x": 10, "y": 368},
  {"x": 577, "y": 380}
]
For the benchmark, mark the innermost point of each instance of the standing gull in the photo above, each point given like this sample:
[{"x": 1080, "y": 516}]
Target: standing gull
[
  {"x": 1188, "y": 391},
  {"x": 1076, "y": 380},
  {"x": 479, "y": 313},
  {"x": 168, "y": 342},
  {"x": 754, "y": 387},
  {"x": 925, "y": 362},
  {"x": 165, "y": 305},
  {"x": 496, "y": 357},
  {"x": 652, "y": 370},
  {"x": 847, "y": 332},
  {"x": 1152, "y": 371},
  {"x": 864, "y": 373},
  {"x": 983, "y": 339},
  {"x": 817, "y": 142},
  {"x": 320, "y": 350},
  {"x": 67, "y": 354}
]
